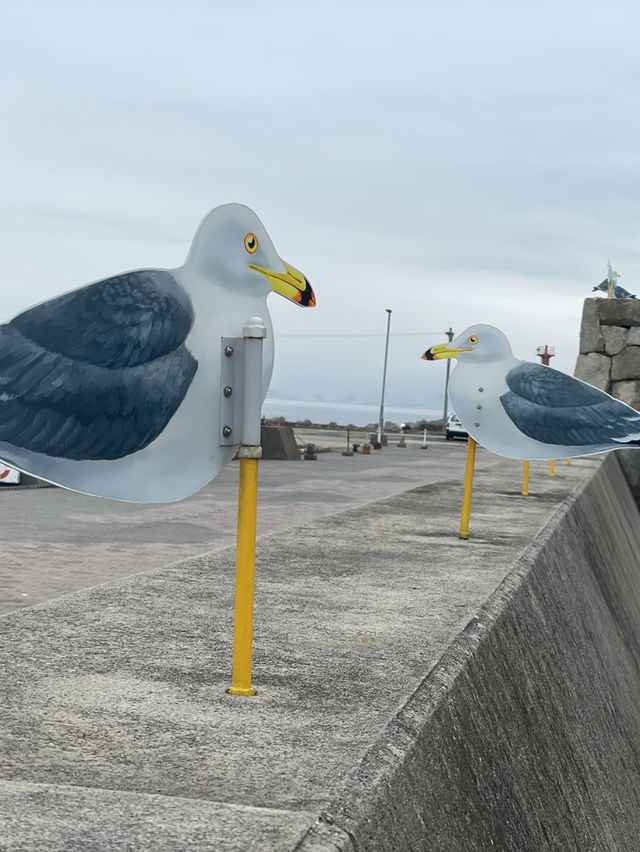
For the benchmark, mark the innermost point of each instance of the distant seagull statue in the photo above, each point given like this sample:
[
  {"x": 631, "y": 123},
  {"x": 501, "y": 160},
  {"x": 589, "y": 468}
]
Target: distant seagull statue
[
  {"x": 527, "y": 411},
  {"x": 617, "y": 291},
  {"x": 113, "y": 389}
]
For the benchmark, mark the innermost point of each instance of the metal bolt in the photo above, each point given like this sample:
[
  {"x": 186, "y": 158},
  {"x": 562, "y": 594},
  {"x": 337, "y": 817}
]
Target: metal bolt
[
  {"x": 226, "y": 431},
  {"x": 480, "y": 389},
  {"x": 476, "y": 424},
  {"x": 228, "y": 390},
  {"x": 228, "y": 351},
  {"x": 478, "y": 407}
]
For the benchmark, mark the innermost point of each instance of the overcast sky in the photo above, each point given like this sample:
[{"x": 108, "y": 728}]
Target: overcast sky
[{"x": 455, "y": 162}]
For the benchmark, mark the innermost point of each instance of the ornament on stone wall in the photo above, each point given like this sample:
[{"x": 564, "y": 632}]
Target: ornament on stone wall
[
  {"x": 114, "y": 389},
  {"x": 527, "y": 411},
  {"x": 611, "y": 287}
]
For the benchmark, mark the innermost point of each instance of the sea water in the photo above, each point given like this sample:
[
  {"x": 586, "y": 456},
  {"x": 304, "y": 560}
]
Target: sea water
[{"x": 343, "y": 413}]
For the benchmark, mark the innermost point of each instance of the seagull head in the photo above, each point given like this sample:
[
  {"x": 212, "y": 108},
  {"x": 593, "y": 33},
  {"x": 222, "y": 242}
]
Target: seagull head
[
  {"x": 232, "y": 247},
  {"x": 477, "y": 344}
]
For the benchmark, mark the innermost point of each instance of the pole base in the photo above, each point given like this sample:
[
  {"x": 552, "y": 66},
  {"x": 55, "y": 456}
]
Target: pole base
[
  {"x": 464, "y": 535},
  {"x": 238, "y": 690}
]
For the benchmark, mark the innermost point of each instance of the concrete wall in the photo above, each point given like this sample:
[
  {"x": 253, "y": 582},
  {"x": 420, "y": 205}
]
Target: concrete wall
[{"x": 526, "y": 735}]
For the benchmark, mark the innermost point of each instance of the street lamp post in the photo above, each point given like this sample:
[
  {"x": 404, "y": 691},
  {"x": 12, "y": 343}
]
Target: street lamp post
[
  {"x": 384, "y": 378},
  {"x": 446, "y": 385}
]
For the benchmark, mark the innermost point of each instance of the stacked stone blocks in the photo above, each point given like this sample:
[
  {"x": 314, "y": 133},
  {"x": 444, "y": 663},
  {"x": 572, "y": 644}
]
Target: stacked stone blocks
[{"x": 610, "y": 348}]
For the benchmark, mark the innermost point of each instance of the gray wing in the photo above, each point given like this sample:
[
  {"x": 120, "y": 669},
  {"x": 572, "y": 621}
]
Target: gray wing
[
  {"x": 554, "y": 408},
  {"x": 620, "y": 293},
  {"x": 99, "y": 372}
]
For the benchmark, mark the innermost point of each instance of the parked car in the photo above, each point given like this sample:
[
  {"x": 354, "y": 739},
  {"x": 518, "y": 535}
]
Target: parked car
[{"x": 454, "y": 428}]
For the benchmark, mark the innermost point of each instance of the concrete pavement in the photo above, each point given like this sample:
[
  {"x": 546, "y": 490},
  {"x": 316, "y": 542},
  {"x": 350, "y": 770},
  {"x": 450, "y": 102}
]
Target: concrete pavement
[
  {"x": 118, "y": 733},
  {"x": 55, "y": 542}
]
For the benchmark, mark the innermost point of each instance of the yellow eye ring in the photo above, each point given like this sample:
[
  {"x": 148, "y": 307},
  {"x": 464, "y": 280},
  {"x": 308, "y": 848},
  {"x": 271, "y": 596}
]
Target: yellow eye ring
[
  {"x": 472, "y": 340},
  {"x": 251, "y": 243}
]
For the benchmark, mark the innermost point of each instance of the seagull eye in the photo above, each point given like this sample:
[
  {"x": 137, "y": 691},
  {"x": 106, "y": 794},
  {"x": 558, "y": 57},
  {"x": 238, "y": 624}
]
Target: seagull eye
[
  {"x": 472, "y": 340},
  {"x": 251, "y": 243}
]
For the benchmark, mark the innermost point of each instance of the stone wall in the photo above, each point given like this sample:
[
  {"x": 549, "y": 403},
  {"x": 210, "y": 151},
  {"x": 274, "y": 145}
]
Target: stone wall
[
  {"x": 610, "y": 359},
  {"x": 610, "y": 348}
]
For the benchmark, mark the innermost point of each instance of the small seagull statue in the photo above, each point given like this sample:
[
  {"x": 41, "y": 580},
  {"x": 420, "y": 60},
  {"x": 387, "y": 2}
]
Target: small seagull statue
[
  {"x": 609, "y": 285},
  {"x": 528, "y": 411},
  {"x": 114, "y": 389},
  {"x": 618, "y": 291}
]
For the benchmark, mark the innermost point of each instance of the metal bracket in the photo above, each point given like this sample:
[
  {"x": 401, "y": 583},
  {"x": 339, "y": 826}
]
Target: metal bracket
[{"x": 231, "y": 395}]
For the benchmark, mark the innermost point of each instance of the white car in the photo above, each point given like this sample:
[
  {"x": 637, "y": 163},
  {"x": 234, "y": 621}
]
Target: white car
[{"x": 454, "y": 428}]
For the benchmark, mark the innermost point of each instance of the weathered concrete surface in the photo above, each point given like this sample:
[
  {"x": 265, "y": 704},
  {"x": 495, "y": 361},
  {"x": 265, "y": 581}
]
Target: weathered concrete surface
[
  {"x": 629, "y": 461},
  {"x": 609, "y": 342},
  {"x": 622, "y": 312},
  {"x": 613, "y": 324},
  {"x": 627, "y": 392},
  {"x": 397, "y": 708},
  {"x": 626, "y": 365},
  {"x": 278, "y": 442},
  {"x": 55, "y": 542},
  {"x": 595, "y": 369},
  {"x": 526, "y": 735},
  {"x": 591, "y": 336},
  {"x": 54, "y": 816},
  {"x": 615, "y": 339}
]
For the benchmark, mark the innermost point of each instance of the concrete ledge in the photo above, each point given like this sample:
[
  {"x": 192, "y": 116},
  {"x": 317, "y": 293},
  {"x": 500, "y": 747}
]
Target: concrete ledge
[
  {"x": 60, "y": 817},
  {"x": 526, "y": 735},
  {"x": 416, "y": 691}
]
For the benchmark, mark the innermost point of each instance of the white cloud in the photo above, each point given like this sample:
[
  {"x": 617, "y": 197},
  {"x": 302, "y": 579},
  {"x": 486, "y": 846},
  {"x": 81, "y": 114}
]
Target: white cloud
[{"x": 456, "y": 162}]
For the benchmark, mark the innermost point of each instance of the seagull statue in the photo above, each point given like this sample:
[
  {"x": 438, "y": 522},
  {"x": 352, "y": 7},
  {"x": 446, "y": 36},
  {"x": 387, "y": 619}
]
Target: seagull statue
[
  {"x": 618, "y": 291},
  {"x": 528, "y": 411},
  {"x": 113, "y": 389},
  {"x": 609, "y": 285}
]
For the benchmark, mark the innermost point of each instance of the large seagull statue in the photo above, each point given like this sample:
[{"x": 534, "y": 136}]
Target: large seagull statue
[{"x": 114, "y": 389}]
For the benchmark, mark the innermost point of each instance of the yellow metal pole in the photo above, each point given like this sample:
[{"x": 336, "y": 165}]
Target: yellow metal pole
[
  {"x": 468, "y": 486},
  {"x": 552, "y": 468},
  {"x": 525, "y": 479},
  {"x": 245, "y": 570},
  {"x": 568, "y": 461}
]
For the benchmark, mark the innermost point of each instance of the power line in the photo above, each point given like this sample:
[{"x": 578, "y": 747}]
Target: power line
[{"x": 396, "y": 334}]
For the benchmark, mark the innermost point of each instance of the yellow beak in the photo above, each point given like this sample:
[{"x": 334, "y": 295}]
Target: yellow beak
[
  {"x": 437, "y": 353},
  {"x": 291, "y": 284}
]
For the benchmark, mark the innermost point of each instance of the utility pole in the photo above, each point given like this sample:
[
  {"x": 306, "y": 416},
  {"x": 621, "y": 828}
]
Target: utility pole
[
  {"x": 446, "y": 385},
  {"x": 384, "y": 379}
]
